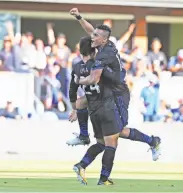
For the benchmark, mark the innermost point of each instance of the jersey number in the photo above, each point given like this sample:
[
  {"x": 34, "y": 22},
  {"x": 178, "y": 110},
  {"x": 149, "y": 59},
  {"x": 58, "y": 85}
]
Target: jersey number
[{"x": 92, "y": 88}]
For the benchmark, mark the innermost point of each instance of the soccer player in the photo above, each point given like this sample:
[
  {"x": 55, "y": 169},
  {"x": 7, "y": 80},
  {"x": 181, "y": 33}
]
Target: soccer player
[
  {"x": 106, "y": 126},
  {"x": 100, "y": 40}
]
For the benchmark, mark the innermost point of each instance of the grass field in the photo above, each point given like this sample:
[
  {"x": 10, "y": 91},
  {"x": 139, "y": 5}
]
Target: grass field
[
  {"x": 72, "y": 185},
  {"x": 55, "y": 176}
]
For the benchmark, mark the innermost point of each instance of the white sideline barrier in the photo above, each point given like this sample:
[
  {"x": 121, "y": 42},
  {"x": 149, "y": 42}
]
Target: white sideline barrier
[
  {"x": 33, "y": 140},
  {"x": 18, "y": 88}
]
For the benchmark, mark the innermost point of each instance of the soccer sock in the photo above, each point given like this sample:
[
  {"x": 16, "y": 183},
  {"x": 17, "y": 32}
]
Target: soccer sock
[
  {"x": 107, "y": 162},
  {"x": 91, "y": 154},
  {"x": 136, "y": 135},
  {"x": 82, "y": 115}
]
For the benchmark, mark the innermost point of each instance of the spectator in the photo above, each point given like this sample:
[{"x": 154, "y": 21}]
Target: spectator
[
  {"x": 28, "y": 50},
  {"x": 9, "y": 60},
  {"x": 150, "y": 99},
  {"x": 9, "y": 112},
  {"x": 63, "y": 50},
  {"x": 140, "y": 68},
  {"x": 175, "y": 64},
  {"x": 164, "y": 112},
  {"x": 178, "y": 116},
  {"x": 74, "y": 57},
  {"x": 124, "y": 38},
  {"x": 156, "y": 59},
  {"x": 40, "y": 55}
]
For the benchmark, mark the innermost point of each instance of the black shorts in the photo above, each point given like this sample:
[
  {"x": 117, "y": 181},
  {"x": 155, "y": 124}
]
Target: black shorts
[
  {"x": 122, "y": 102},
  {"x": 106, "y": 121}
]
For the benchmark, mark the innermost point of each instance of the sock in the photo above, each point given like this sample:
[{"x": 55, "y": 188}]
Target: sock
[
  {"x": 91, "y": 154},
  {"x": 82, "y": 115},
  {"x": 107, "y": 163},
  {"x": 136, "y": 135}
]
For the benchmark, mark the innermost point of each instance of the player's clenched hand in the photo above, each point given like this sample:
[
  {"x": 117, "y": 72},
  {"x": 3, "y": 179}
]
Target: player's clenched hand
[
  {"x": 74, "y": 12},
  {"x": 76, "y": 79},
  {"x": 73, "y": 116}
]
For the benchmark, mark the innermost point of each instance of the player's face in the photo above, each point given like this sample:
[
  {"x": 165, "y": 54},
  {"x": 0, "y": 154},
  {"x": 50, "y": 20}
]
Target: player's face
[{"x": 97, "y": 38}]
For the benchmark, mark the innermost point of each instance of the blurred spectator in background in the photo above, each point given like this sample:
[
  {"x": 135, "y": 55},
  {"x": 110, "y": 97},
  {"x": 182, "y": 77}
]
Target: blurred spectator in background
[
  {"x": 9, "y": 60},
  {"x": 175, "y": 64},
  {"x": 178, "y": 116},
  {"x": 40, "y": 55},
  {"x": 157, "y": 61},
  {"x": 63, "y": 50},
  {"x": 150, "y": 99},
  {"x": 28, "y": 50},
  {"x": 140, "y": 67},
  {"x": 63, "y": 53},
  {"x": 164, "y": 112},
  {"x": 74, "y": 57},
  {"x": 124, "y": 38},
  {"x": 9, "y": 112}
]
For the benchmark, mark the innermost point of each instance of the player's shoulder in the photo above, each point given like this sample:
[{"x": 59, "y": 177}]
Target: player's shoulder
[
  {"x": 90, "y": 62},
  {"x": 110, "y": 49},
  {"x": 77, "y": 65}
]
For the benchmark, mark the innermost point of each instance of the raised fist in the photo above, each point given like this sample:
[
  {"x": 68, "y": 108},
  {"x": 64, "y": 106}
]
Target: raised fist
[{"x": 74, "y": 12}]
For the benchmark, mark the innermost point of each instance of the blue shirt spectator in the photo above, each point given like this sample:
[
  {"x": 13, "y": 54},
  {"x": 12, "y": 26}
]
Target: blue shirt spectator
[
  {"x": 178, "y": 115},
  {"x": 150, "y": 96},
  {"x": 175, "y": 64}
]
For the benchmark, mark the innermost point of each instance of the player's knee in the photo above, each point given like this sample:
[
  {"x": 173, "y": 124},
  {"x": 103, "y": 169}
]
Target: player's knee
[
  {"x": 125, "y": 132},
  {"x": 101, "y": 141},
  {"x": 81, "y": 103},
  {"x": 112, "y": 140}
]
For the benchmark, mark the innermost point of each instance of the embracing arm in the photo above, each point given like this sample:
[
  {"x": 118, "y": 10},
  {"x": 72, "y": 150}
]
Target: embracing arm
[{"x": 93, "y": 78}]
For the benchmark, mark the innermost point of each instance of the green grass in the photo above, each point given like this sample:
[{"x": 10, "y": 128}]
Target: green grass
[{"x": 72, "y": 185}]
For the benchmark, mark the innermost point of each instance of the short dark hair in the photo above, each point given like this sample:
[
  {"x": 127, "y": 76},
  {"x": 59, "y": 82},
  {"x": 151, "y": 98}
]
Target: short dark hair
[
  {"x": 104, "y": 28},
  {"x": 85, "y": 46}
]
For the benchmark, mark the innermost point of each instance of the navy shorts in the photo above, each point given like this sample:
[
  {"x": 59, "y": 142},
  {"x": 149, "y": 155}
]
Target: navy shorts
[
  {"x": 106, "y": 121},
  {"x": 122, "y": 102}
]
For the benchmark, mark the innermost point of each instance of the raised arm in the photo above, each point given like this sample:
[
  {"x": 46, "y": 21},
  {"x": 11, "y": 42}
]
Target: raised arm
[
  {"x": 124, "y": 38},
  {"x": 50, "y": 34},
  {"x": 85, "y": 25}
]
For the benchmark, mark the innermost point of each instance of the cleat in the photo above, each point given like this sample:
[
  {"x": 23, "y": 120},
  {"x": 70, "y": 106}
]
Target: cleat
[
  {"x": 155, "y": 148},
  {"x": 106, "y": 183},
  {"x": 80, "y": 173},
  {"x": 79, "y": 140}
]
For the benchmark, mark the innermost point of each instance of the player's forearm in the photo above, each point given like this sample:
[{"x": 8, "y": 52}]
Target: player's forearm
[
  {"x": 89, "y": 80},
  {"x": 86, "y": 26},
  {"x": 73, "y": 105},
  {"x": 73, "y": 91}
]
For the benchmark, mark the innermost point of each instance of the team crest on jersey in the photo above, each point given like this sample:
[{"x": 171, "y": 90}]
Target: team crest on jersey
[
  {"x": 84, "y": 71},
  {"x": 98, "y": 63}
]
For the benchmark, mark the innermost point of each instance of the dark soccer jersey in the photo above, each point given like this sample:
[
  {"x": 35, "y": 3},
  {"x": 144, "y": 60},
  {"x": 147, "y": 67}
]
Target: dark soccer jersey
[
  {"x": 97, "y": 94},
  {"x": 80, "y": 69},
  {"x": 108, "y": 59}
]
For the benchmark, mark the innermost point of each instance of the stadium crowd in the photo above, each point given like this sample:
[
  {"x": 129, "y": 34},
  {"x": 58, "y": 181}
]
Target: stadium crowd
[{"x": 52, "y": 64}]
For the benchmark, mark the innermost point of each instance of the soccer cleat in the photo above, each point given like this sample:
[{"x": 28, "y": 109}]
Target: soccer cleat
[
  {"x": 106, "y": 183},
  {"x": 79, "y": 140},
  {"x": 155, "y": 148},
  {"x": 80, "y": 173}
]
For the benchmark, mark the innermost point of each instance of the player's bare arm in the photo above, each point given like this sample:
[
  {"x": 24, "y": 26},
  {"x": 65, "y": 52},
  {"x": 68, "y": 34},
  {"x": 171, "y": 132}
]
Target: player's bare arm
[
  {"x": 93, "y": 78},
  {"x": 85, "y": 25}
]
